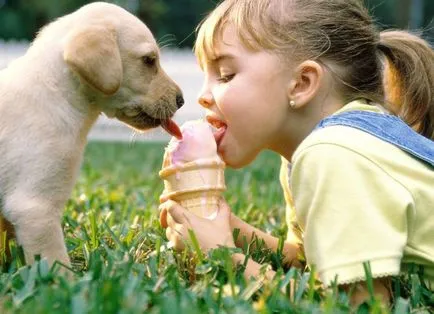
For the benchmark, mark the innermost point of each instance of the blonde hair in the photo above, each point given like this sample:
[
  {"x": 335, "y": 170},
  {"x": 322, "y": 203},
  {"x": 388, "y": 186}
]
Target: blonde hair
[{"x": 341, "y": 35}]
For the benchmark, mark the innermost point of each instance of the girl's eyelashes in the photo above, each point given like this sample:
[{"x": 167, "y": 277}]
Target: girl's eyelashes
[{"x": 225, "y": 78}]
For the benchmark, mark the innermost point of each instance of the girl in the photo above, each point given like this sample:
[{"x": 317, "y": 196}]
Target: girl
[{"x": 305, "y": 79}]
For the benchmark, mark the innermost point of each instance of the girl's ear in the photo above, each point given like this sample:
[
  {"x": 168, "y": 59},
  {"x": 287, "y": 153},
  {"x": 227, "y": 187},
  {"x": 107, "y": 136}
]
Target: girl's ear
[{"x": 305, "y": 83}]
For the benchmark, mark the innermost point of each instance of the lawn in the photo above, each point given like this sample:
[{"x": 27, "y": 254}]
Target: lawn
[{"x": 122, "y": 263}]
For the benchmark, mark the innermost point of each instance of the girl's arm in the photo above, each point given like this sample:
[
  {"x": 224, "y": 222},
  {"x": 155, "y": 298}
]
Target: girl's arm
[
  {"x": 218, "y": 232},
  {"x": 247, "y": 232},
  {"x": 360, "y": 293},
  {"x": 253, "y": 269}
]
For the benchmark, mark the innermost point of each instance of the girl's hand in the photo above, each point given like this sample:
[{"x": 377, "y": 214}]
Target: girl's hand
[{"x": 209, "y": 233}]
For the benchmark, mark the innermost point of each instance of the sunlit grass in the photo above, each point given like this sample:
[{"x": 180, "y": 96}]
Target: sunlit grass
[{"x": 123, "y": 265}]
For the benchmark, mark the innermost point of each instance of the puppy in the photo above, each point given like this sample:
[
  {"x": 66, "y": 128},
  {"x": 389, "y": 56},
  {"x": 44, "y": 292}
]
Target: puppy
[{"x": 99, "y": 59}]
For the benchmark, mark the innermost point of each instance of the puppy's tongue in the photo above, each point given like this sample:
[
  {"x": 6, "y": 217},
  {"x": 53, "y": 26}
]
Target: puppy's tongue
[{"x": 172, "y": 128}]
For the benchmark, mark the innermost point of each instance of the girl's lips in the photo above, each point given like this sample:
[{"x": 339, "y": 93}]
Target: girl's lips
[
  {"x": 220, "y": 128},
  {"x": 219, "y": 134}
]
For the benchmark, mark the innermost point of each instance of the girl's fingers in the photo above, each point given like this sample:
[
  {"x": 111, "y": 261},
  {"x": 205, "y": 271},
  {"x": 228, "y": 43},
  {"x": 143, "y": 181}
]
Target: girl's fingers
[
  {"x": 178, "y": 213},
  {"x": 169, "y": 234},
  {"x": 170, "y": 221},
  {"x": 163, "y": 198},
  {"x": 171, "y": 213},
  {"x": 175, "y": 237},
  {"x": 164, "y": 208},
  {"x": 224, "y": 208},
  {"x": 163, "y": 218}
]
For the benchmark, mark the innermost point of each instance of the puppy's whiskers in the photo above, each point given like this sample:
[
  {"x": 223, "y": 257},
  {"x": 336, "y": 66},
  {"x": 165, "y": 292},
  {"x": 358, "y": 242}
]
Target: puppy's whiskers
[
  {"x": 165, "y": 46},
  {"x": 166, "y": 41}
]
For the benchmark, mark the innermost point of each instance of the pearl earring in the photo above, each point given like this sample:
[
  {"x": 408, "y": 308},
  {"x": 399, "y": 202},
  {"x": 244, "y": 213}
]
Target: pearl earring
[{"x": 292, "y": 104}]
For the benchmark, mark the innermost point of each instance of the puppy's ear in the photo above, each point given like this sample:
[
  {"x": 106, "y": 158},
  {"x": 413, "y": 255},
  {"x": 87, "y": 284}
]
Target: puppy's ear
[{"x": 93, "y": 53}]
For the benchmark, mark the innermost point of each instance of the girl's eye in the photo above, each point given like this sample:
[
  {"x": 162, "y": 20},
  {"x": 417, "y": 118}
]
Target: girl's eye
[{"x": 225, "y": 78}]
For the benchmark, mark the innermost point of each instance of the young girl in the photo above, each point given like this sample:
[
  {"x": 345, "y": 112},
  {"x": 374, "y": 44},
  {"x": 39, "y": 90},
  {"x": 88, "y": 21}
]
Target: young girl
[{"x": 315, "y": 82}]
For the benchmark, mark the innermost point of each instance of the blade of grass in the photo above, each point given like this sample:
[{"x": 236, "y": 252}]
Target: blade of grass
[
  {"x": 196, "y": 245},
  {"x": 369, "y": 281}
]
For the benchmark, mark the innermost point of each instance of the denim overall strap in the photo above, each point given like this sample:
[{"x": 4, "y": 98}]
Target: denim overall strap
[{"x": 386, "y": 127}]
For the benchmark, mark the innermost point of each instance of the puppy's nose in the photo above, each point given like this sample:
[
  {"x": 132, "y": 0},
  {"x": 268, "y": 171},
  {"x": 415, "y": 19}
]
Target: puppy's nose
[{"x": 179, "y": 100}]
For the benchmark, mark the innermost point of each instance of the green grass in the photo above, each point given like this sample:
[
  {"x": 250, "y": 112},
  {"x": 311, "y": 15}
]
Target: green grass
[{"x": 122, "y": 264}]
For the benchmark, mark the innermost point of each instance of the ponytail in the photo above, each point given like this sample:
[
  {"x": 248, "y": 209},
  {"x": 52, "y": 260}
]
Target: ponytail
[{"x": 409, "y": 79}]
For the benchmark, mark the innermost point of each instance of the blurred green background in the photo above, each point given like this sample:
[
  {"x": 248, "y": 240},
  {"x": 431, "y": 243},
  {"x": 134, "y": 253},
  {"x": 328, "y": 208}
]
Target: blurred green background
[{"x": 173, "y": 21}]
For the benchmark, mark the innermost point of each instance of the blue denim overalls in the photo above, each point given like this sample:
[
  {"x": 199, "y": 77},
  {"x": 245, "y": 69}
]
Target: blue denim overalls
[{"x": 387, "y": 127}]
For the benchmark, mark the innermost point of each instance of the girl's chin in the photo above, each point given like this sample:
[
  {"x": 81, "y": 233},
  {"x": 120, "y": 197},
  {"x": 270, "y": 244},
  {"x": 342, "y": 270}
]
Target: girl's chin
[
  {"x": 235, "y": 161},
  {"x": 233, "y": 154}
]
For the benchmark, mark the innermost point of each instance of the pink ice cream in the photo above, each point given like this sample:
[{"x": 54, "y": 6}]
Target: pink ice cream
[{"x": 197, "y": 143}]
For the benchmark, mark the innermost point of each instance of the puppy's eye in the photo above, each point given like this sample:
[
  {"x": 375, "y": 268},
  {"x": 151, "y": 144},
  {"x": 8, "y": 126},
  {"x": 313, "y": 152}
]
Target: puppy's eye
[{"x": 149, "y": 60}]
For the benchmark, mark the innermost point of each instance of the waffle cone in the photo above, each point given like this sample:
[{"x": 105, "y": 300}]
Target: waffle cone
[
  {"x": 197, "y": 185},
  {"x": 201, "y": 203}
]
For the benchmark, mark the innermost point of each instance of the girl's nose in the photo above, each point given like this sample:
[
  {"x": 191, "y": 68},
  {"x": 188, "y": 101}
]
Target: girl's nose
[{"x": 206, "y": 99}]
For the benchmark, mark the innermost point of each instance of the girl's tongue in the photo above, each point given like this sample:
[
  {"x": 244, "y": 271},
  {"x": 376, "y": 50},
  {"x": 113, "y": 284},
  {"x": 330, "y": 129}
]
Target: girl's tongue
[
  {"x": 219, "y": 134},
  {"x": 172, "y": 128}
]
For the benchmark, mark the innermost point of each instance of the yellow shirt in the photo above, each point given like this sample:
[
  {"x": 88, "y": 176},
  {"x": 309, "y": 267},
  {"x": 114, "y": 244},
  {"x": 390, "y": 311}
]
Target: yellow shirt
[{"x": 358, "y": 198}]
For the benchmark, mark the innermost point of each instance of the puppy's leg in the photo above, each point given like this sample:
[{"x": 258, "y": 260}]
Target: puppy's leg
[
  {"x": 38, "y": 227},
  {"x": 45, "y": 239}
]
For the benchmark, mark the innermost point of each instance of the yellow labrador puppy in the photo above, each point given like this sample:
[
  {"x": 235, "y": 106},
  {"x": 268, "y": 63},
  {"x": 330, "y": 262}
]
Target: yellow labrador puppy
[{"x": 98, "y": 59}]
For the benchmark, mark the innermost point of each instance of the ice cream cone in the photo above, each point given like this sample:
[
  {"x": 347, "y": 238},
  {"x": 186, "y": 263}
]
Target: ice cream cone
[{"x": 196, "y": 185}]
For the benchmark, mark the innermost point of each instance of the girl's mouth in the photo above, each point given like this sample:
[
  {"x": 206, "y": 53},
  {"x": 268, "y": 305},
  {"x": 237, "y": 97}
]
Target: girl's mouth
[
  {"x": 219, "y": 129},
  {"x": 219, "y": 134}
]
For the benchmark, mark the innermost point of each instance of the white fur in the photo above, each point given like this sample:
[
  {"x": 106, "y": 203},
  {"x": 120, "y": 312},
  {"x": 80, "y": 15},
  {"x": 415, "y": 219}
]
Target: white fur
[{"x": 47, "y": 107}]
